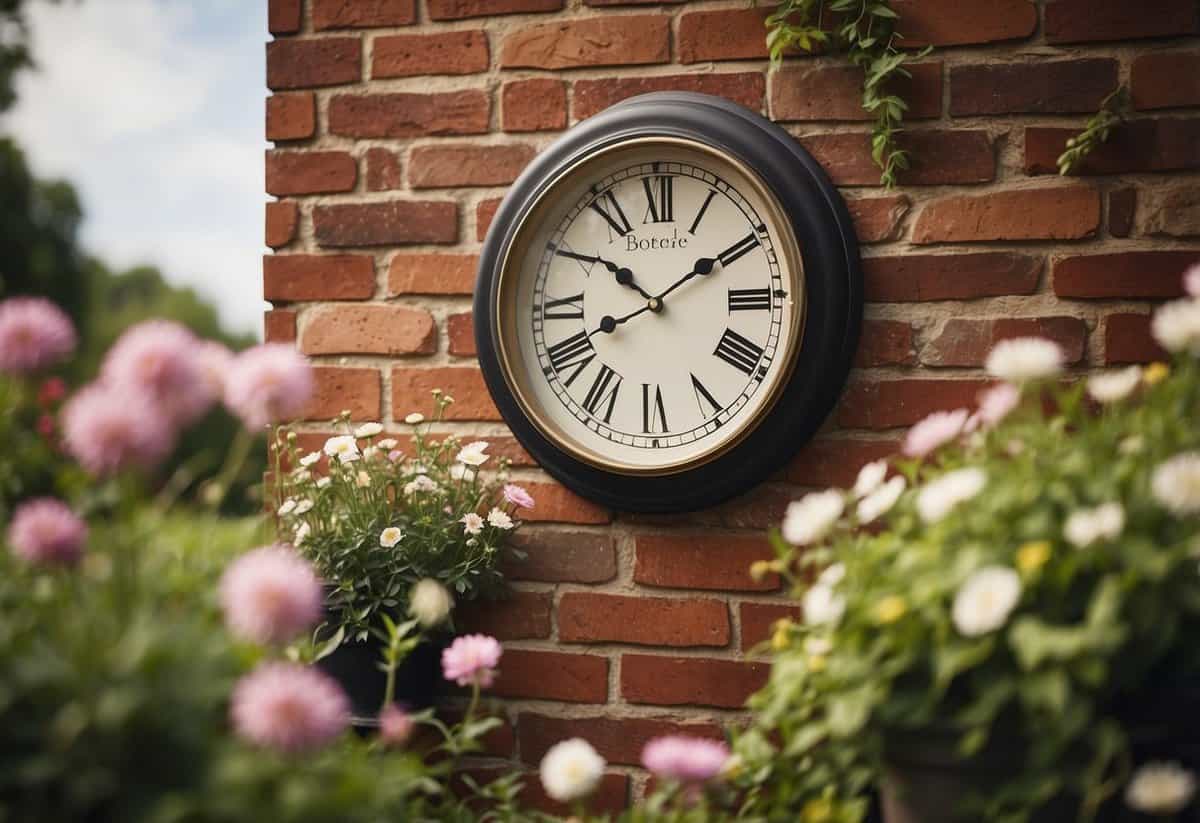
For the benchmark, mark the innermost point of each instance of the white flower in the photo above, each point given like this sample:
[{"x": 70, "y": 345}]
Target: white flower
[
  {"x": 1085, "y": 526},
  {"x": 429, "y": 602},
  {"x": 420, "y": 483},
  {"x": 362, "y": 480},
  {"x": 323, "y": 482},
  {"x": 937, "y": 499},
  {"x": 414, "y": 418},
  {"x": 303, "y": 506},
  {"x": 300, "y": 534},
  {"x": 1160, "y": 789},
  {"x": 985, "y": 600},
  {"x": 370, "y": 452},
  {"x": 343, "y": 447},
  {"x": 472, "y": 523},
  {"x": 1176, "y": 326},
  {"x": 811, "y": 517},
  {"x": 880, "y": 501},
  {"x": 1113, "y": 386},
  {"x": 832, "y": 575},
  {"x": 301, "y": 475},
  {"x": 310, "y": 458},
  {"x": 499, "y": 519},
  {"x": 1191, "y": 280},
  {"x": 869, "y": 478},
  {"x": 1024, "y": 358},
  {"x": 472, "y": 454},
  {"x": 934, "y": 431},
  {"x": 390, "y": 536},
  {"x": 460, "y": 472},
  {"x": 823, "y": 605},
  {"x": 819, "y": 646},
  {"x": 287, "y": 508},
  {"x": 387, "y": 444},
  {"x": 1176, "y": 483},
  {"x": 368, "y": 430},
  {"x": 571, "y": 770}
]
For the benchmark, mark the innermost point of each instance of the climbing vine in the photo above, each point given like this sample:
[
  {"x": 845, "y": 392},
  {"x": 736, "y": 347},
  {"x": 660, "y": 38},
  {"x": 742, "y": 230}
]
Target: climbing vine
[{"x": 1114, "y": 110}]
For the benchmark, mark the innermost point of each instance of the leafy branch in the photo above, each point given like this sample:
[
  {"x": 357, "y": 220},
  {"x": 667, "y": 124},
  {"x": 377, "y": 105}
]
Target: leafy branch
[{"x": 1114, "y": 110}]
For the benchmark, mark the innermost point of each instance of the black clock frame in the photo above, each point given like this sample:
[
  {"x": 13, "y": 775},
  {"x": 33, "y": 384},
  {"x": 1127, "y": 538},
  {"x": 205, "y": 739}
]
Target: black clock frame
[{"x": 833, "y": 280}]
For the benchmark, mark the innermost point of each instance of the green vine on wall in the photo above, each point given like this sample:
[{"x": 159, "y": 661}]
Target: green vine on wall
[{"x": 1114, "y": 110}]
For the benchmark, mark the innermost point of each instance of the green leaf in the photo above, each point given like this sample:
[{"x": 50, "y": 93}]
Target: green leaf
[{"x": 951, "y": 661}]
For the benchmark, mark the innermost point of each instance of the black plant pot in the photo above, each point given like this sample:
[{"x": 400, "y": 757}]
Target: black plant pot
[{"x": 356, "y": 667}]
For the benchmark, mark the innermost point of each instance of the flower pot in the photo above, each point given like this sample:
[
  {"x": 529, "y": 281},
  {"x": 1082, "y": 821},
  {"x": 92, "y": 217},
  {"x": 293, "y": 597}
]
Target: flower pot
[{"x": 355, "y": 665}]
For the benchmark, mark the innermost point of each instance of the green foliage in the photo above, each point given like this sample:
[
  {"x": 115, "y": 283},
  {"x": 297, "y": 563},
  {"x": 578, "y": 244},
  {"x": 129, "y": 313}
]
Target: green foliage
[{"x": 1114, "y": 110}]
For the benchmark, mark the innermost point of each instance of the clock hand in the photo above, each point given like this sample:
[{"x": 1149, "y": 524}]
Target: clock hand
[
  {"x": 608, "y": 323},
  {"x": 703, "y": 266},
  {"x": 622, "y": 275}
]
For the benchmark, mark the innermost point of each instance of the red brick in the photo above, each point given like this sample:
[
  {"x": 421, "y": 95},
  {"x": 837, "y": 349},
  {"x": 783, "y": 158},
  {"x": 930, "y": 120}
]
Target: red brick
[
  {"x": 460, "y": 331},
  {"x": 1164, "y": 80},
  {"x": 328, "y": 61},
  {"x": 937, "y": 157},
  {"x": 337, "y": 389},
  {"x": 619, "y": 740},
  {"x": 558, "y": 504},
  {"x": 702, "y": 561},
  {"x": 383, "y": 170},
  {"x": 758, "y": 620},
  {"x": 967, "y": 341},
  {"x": 536, "y": 675},
  {"x": 610, "y": 797},
  {"x": 1171, "y": 211},
  {"x": 586, "y": 617},
  {"x": 598, "y": 41},
  {"x": 422, "y": 273},
  {"x": 291, "y": 116},
  {"x": 368, "y": 329},
  {"x": 279, "y": 326},
  {"x": 690, "y": 681},
  {"x": 885, "y": 404},
  {"x": 1080, "y": 21},
  {"x": 1122, "y": 206},
  {"x": 1127, "y": 339},
  {"x": 1054, "y": 87},
  {"x": 459, "y": 9},
  {"x": 412, "y": 387},
  {"x": 282, "y": 218},
  {"x": 923, "y": 277},
  {"x": 451, "y": 166},
  {"x": 484, "y": 212},
  {"x": 963, "y": 22},
  {"x": 386, "y": 223},
  {"x": 723, "y": 34},
  {"x": 877, "y": 219},
  {"x": 404, "y": 115},
  {"x": 537, "y": 104},
  {"x": 1130, "y": 275},
  {"x": 828, "y": 462},
  {"x": 284, "y": 16},
  {"x": 519, "y": 616},
  {"x": 593, "y": 96},
  {"x": 1058, "y": 213},
  {"x": 886, "y": 343},
  {"x": 413, "y": 55},
  {"x": 562, "y": 556},
  {"x": 759, "y": 509},
  {"x": 358, "y": 14},
  {"x": 310, "y": 172},
  {"x": 512, "y": 451},
  {"x": 1144, "y": 145},
  {"x": 318, "y": 277},
  {"x": 835, "y": 93}
]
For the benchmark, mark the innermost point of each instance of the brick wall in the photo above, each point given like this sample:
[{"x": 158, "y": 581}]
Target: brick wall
[{"x": 398, "y": 123}]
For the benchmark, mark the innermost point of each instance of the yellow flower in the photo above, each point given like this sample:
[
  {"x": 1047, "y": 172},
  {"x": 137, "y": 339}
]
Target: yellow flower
[
  {"x": 816, "y": 662},
  {"x": 1155, "y": 373},
  {"x": 817, "y": 811},
  {"x": 759, "y": 569},
  {"x": 1033, "y": 555},
  {"x": 890, "y": 609}
]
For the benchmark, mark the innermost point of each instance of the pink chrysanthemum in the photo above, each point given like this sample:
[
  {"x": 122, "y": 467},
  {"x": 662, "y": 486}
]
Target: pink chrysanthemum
[
  {"x": 215, "y": 361},
  {"x": 685, "y": 759},
  {"x": 46, "y": 531},
  {"x": 472, "y": 659},
  {"x": 935, "y": 430},
  {"x": 34, "y": 334},
  {"x": 270, "y": 595},
  {"x": 995, "y": 403},
  {"x": 162, "y": 360},
  {"x": 518, "y": 496},
  {"x": 108, "y": 429},
  {"x": 395, "y": 726},
  {"x": 289, "y": 707},
  {"x": 268, "y": 384}
]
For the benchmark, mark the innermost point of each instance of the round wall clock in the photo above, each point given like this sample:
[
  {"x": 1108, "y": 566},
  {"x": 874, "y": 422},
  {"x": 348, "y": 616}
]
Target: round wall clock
[{"x": 669, "y": 299}]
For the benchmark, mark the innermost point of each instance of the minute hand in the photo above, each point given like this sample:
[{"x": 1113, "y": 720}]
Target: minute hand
[{"x": 705, "y": 264}]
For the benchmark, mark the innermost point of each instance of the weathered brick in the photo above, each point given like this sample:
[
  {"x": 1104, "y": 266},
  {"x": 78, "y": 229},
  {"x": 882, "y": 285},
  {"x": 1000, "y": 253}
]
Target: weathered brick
[
  {"x": 1053, "y": 87},
  {"x": 284, "y": 16},
  {"x": 279, "y": 326},
  {"x": 1080, "y": 21},
  {"x": 1163, "y": 80},
  {"x": 282, "y": 219},
  {"x": 558, "y": 504},
  {"x": 1131, "y": 275},
  {"x": 432, "y": 273},
  {"x": 460, "y": 332},
  {"x": 318, "y": 277},
  {"x": 537, "y": 104},
  {"x": 537, "y": 675},
  {"x": 593, "y": 96},
  {"x": 1173, "y": 211},
  {"x": 485, "y": 211},
  {"x": 922, "y": 277},
  {"x": 518, "y": 616},
  {"x": 1143, "y": 145},
  {"x": 412, "y": 55},
  {"x": 404, "y": 115},
  {"x": 619, "y": 740},
  {"x": 877, "y": 219},
  {"x": 1122, "y": 207},
  {"x": 357, "y": 14},
  {"x": 388, "y": 223},
  {"x": 963, "y": 22},
  {"x": 384, "y": 172},
  {"x": 310, "y": 172},
  {"x": 937, "y": 157},
  {"x": 589, "y": 617},
  {"x": 598, "y": 41},
  {"x": 886, "y": 404},
  {"x": 449, "y": 166},
  {"x": 835, "y": 93},
  {"x": 356, "y": 390},
  {"x": 1127, "y": 339},
  {"x": 412, "y": 387},
  {"x": 291, "y": 116},
  {"x": 758, "y": 620},
  {"x": 722, "y": 34},
  {"x": 1058, "y": 213},
  {"x": 328, "y": 61},
  {"x": 459, "y": 9},
  {"x": 828, "y": 462},
  {"x": 368, "y": 329},
  {"x": 886, "y": 343},
  {"x": 690, "y": 681},
  {"x": 967, "y": 341},
  {"x": 563, "y": 556},
  {"x": 701, "y": 561}
]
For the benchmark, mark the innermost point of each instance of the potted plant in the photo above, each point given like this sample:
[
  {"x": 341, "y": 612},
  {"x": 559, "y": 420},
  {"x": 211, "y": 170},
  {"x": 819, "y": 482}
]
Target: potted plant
[
  {"x": 1000, "y": 625},
  {"x": 396, "y": 530}
]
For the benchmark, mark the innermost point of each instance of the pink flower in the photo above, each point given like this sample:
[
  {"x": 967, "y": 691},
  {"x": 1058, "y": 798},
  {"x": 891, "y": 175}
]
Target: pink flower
[
  {"x": 1191, "y": 280},
  {"x": 518, "y": 496},
  {"x": 935, "y": 430},
  {"x": 51, "y": 391},
  {"x": 685, "y": 759},
  {"x": 395, "y": 726},
  {"x": 108, "y": 429},
  {"x": 34, "y": 334},
  {"x": 162, "y": 360},
  {"x": 270, "y": 595},
  {"x": 289, "y": 707},
  {"x": 46, "y": 531},
  {"x": 268, "y": 384},
  {"x": 215, "y": 361},
  {"x": 470, "y": 659},
  {"x": 996, "y": 403}
]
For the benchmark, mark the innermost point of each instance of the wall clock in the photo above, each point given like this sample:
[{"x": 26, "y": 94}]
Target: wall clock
[{"x": 668, "y": 302}]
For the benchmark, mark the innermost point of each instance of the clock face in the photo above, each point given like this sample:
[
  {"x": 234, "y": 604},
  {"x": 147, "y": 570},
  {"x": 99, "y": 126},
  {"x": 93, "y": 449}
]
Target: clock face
[{"x": 651, "y": 305}]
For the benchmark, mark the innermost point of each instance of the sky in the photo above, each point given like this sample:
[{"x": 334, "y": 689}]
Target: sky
[{"x": 153, "y": 109}]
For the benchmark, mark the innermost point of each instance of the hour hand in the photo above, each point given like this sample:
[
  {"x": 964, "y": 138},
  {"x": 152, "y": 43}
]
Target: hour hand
[{"x": 622, "y": 275}]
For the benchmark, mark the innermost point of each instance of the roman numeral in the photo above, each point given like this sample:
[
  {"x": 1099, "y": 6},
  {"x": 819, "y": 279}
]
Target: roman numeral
[
  {"x": 606, "y": 206},
  {"x": 749, "y": 299},
  {"x": 654, "y": 415},
  {"x": 601, "y": 392},
  {"x": 703, "y": 393},
  {"x": 660, "y": 199},
  {"x": 738, "y": 249},
  {"x": 569, "y": 308},
  {"x": 738, "y": 352},
  {"x": 703, "y": 209},
  {"x": 575, "y": 352}
]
